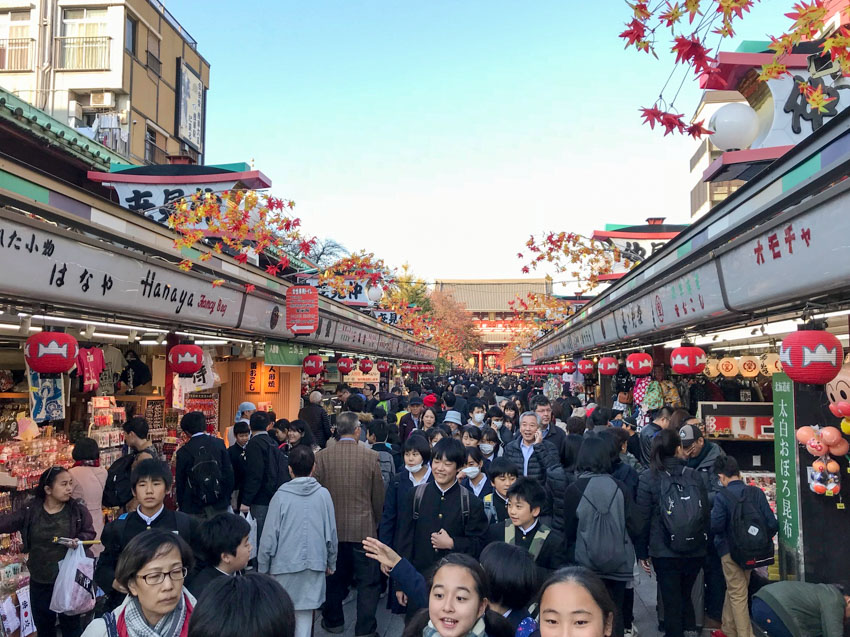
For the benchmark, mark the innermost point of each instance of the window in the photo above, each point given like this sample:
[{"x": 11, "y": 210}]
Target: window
[
  {"x": 153, "y": 62},
  {"x": 131, "y": 30},
  {"x": 16, "y": 43},
  {"x": 84, "y": 43}
]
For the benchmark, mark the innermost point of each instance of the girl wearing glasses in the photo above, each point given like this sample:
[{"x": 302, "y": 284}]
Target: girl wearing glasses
[
  {"x": 52, "y": 513},
  {"x": 152, "y": 567}
]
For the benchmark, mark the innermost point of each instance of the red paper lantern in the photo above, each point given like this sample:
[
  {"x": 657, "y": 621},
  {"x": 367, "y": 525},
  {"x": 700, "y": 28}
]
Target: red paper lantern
[
  {"x": 345, "y": 365},
  {"x": 639, "y": 364},
  {"x": 608, "y": 366},
  {"x": 383, "y": 367},
  {"x": 186, "y": 359},
  {"x": 51, "y": 353},
  {"x": 313, "y": 365},
  {"x": 569, "y": 367},
  {"x": 366, "y": 365},
  {"x": 430, "y": 368},
  {"x": 811, "y": 356},
  {"x": 405, "y": 368},
  {"x": 585, "y": 366},
  {"x": 688, "y": 360}
]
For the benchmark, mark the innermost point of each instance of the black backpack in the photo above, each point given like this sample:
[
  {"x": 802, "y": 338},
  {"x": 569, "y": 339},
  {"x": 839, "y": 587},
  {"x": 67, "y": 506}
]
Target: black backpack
[
  {"x": 278, "y": 469},
  {"x": 205, "y": 475},
  {"x": 750, "y": 543},
  {"x": 118, "y": 491},
  {"x": 419, "y": 493},
  {"x": 681, "y": 509}
]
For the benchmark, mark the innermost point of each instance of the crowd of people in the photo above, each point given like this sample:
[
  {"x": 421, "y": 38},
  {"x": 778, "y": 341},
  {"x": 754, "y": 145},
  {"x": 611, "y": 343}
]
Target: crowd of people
[{"x": 477, "y": 506}]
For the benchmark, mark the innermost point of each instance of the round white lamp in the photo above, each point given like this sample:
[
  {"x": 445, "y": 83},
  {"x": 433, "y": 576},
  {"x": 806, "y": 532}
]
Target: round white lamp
[
  {"x": 374, "y": 293},
  {"x": 735, "y": 126}
]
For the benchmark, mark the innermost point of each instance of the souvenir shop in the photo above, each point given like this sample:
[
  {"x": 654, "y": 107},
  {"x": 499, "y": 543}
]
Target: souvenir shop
[{"x": 743, "y": 321}]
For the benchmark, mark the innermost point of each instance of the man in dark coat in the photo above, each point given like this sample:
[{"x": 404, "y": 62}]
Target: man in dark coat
[{"x": 201, "y": 445}]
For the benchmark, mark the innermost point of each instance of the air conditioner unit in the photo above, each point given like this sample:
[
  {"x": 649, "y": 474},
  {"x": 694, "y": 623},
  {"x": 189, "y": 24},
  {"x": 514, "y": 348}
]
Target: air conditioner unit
[
  {"x": 75, "y": 109},
  {"x": 107, "y": 98}
]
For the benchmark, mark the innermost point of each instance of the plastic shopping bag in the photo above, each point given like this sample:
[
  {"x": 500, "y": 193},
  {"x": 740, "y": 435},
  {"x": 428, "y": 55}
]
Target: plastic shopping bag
[
  {"x": 252, "y": 536},
  {"x": 73, "y": 593}
]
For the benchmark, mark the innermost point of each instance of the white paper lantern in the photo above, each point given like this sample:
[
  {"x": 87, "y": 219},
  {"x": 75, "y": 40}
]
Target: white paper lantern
[
  {"x": 735, "y": 126},
  {"x": 374, "y": 293}
]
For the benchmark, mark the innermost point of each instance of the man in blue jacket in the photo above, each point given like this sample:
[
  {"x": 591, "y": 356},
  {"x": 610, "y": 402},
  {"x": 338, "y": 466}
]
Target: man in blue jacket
[{"x": 736, "y": 616}]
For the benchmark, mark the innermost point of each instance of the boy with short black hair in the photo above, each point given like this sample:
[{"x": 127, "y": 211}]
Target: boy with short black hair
[
  {"x": 377, "y": 436},
  {"x": 224, "y": 545},
  {"x": 151, "y": 480},
  {"x": 239, "y": 459},
  {"x": 526, "y": 498},
  {"x": 502, "y": 473},
  {"x": 477, "y": 411}
]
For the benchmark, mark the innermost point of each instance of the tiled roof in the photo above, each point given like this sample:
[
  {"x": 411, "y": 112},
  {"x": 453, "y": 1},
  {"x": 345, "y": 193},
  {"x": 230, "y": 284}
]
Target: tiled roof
[{"x": 492, "y": 294}]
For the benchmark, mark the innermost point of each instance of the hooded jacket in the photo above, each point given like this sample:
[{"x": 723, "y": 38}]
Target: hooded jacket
[
  {"x": 704, "y": 463},
  {"x": 300, "y": 530}
]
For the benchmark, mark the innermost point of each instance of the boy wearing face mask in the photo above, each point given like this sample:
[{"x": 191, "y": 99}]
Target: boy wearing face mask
[
  {"x": 415, "y": 471},
  {"x": 496, "y": 418},
  {"x": 473, "y": 474},
  {"x": 477, "y": 413}
]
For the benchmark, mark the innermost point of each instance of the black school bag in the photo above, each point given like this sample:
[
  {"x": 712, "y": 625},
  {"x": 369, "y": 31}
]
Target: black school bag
[
  {"x": 750, "y": 543},
  {"x": 205, "y": 478},
  {"x": 681, "y": 509},
  {"x": 117, "y": 491}
]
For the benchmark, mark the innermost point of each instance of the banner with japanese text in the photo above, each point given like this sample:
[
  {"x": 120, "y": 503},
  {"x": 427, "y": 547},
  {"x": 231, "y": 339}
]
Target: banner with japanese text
[{"x": 785, "y": 448}]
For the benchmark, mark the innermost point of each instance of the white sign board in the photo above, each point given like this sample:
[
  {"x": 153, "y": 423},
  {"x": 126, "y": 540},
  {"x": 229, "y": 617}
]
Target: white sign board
[{"x": 190, "y": 108}]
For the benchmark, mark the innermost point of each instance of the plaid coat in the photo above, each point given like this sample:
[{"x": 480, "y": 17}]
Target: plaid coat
[{"x": 352, "y": 475}]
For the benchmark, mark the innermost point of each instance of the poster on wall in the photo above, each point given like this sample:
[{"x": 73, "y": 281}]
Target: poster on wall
[
  {"x": 190, "y": 106},
  {"x": 47, "y": 397}
]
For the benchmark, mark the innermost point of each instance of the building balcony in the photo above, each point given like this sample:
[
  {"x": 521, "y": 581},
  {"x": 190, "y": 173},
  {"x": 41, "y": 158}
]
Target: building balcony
[
  {"x": 115, "y": 139},
  {"x": 82, "y": 54},
  {"x": 17, "y": 55},
  {"x": 154, "y": 154}
]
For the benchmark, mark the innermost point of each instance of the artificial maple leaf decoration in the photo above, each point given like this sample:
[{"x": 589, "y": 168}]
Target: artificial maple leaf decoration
[
  {"x": 772, "y": 71},
  {"x": 250, "y": 287},
  {"x": 818, "y": 100},
  {"x": 692, "y": 7},
  {"x": 217, "y": 283},
  {"x": 691, "y": 51},
  {"x": 242, "y": 257},
  {"x": 697, "y": 130},
  {"x": 671, "y": 122},
  {"x": 808, "y": 18},
  {"x": 635, "y": 33},
  {"x": 185, "y": 265},
  {"x": 651, "y": 116},
  {"x": 641, "y": 10},
  {"x": 673, "y": 14}
]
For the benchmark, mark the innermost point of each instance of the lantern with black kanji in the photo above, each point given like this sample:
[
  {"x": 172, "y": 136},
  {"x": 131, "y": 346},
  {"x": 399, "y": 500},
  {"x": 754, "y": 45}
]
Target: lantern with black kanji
[
  {"x": 365, "y": 365},
  {"x": 585, "y": 366},
  {"x": 345, "y": 365},
  {"x": 383, "y": 367},
  {"x": 186, "y": 360},
  {"x": 313, "y": 365},
  {"x": 51, "y": 353},
  {"x": 569, "y": 367},
  {"x": 608, "y": 366},
  {"x": 811, "y": 356},
  {"x": 639, "y": 364},
  {"x": 688, "y": 360}
]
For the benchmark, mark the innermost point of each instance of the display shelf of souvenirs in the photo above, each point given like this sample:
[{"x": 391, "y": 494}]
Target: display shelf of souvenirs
[
  {"x": 206, "y": 403},
  {"x": 23, "y": 462},
  {"x": 155, "y": 412},
  {"x": 764, "y": 480}
]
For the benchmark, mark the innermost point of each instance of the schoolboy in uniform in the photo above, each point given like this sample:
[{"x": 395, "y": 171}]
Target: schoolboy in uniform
[{"x": 502, "y": 473}]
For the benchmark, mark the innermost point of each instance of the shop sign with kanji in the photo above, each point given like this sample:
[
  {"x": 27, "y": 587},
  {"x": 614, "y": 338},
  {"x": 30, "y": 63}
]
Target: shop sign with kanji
[{"x": 785, "y": 448}]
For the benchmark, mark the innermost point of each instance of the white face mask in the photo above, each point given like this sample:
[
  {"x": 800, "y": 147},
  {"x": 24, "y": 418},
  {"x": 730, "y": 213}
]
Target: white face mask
[
  {"x": 486, "y": 448},
  {"x": 497, "y": 424},
  {"x": 414, "y": 468},
  {"x": 471, "y": 472},
  {"x": 479, "y": 418}
]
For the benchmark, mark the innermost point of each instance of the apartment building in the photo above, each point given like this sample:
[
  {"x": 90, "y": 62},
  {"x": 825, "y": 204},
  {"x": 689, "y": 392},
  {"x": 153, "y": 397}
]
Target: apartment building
[{"x": 123, "y": 72}]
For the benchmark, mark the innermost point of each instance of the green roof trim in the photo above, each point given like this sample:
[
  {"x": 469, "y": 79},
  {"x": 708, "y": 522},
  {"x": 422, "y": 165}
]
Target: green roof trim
[
  {"x": 23, "y": 187},
  {"x": 613, "y": 227},
  {"x": 753, "y": 46},
  {"x": 44, "y": 127},
  {"x": 236, "y": 167}
]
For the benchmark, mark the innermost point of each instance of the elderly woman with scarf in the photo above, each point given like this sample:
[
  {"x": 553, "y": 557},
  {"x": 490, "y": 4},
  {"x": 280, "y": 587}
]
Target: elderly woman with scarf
[{"x": 152, "y": 568}]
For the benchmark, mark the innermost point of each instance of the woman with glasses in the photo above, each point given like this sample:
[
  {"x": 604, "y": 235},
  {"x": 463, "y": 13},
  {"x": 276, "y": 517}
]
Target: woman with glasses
[
  {"x": 153, "y": 568},
  {"x": 53, "y": 513}
]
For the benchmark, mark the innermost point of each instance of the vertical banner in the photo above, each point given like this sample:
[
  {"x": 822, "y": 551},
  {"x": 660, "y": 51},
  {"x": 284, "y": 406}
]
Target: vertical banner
[
  {"x": 27, "y": 623},
  {"x": 253, "y": 378},
  {"x": 785, "y": 449},
  {"x": 272, "y": 380}
]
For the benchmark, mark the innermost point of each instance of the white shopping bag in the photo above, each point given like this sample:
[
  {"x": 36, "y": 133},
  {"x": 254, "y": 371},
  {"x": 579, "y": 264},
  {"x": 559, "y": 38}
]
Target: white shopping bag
[
  {"x": 73, "y": 593},
  {"x": 252, "y": 536}
]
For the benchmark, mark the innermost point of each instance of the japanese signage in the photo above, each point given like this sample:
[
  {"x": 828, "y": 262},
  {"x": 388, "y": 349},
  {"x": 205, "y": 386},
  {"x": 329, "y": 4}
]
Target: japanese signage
[
  {"x": 785, "y": 448},
  {"x": 388, "y": 318},
  {"x": 253, "y": 378},
  {"x": 302, "y": 309},
  {"x": 280, "y": 353},
  {"x": 272, "y": 384},
  {"x": 156, "y": 201},
  {"x": 190, "y": 107},
  {"x": 353, "y": 295}
]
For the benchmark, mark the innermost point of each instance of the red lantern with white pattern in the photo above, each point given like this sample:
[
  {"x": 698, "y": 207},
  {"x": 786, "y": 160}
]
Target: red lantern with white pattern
[
  {"x": 569, "y": 367},
  {"x": 345, "y": 365},
  {"x": 811, "y": 356},
  {"x": 51, "y": 353},
  {"x": 383, "y": 367},
  {"x": 186, "y": 360},
  {"x": 365, "y": 365},
  {"x": 688, "y": 360},
  {"x": 585, "y": 366},
  {"x": 405, "y": 368},
  {"x": 313, "y": 365},
  {"x": 608, "y": 366},
  {"x": 639, "y": 364}
]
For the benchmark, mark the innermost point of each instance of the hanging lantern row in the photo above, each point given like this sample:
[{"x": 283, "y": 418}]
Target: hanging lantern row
[
  {"x": 186, "y": 360},
  {"x": 639, "y": 364},
  {"x": 313, "y": 366},
  {"x": 688, "y": 360}
]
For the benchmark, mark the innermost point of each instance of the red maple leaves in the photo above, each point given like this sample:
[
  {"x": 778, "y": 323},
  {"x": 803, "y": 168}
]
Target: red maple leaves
[
  {"x": 672, "y": 122},
  {"x": 691, "y": 51}
]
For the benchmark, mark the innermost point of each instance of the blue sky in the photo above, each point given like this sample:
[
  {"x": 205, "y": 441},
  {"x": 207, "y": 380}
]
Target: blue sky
[{"x": 443, "y": 132}]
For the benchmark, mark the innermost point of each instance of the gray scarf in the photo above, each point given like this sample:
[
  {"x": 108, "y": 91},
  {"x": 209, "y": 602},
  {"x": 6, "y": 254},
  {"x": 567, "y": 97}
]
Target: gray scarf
[
  {"x": 170, "y": 625},
  {"x": 477, "y": 631}
]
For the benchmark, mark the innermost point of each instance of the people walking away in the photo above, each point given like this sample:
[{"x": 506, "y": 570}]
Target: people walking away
[
  {"x": 514, "y": 581},
  {"x": 672, "y": 529},
  {"x": 151, "y": 481},
  {"x": 575, "y": 595},
  {"x": 136, "y": 432},
  {"x": 502, "y": 473},
  {"x": 224, "y": 543},
  {"x": 299, "y": 542},
  {"x": 743, "y": 526},
  {"x": 50, "y": 514},
  {"x": 243, "y": 414},
  {"x": 317, "y": 418},
  {"x": 352, "y": 475},
  {"x": 89, "y": 480},
  {"x": 660, "y": 420},
  {"x": 254, "y": 605},
  {"x": 801, "y": 609},
  {"x": 620, "y": 470},
  {"x": 204, "y": 475},
  {"x": 389, "y": 455},
  {"x": 412, "y": 419},
  {"x": 265, "y": 470},
  {"x": 599, "y": 523},
  {"x": 153, "y": 569},
  {"x": 239, "y": 461}
]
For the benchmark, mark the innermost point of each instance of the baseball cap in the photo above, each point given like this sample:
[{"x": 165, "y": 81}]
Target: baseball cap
[
  {"x": 689, "y": 435},
  {"x": 630, "y": 420},
  {"x": 453, "y": 416},
  {"x": 416, "y": 400}
]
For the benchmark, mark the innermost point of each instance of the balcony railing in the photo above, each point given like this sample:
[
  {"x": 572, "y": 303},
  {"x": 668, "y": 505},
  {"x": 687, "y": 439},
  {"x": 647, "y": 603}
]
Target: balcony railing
[
  {"x": 115, "y": 139},
  {"x": 83, "y": 54},
  {"x": 154, "y": 64},
  {"x": 17, "y": 54},
  {"x": 154, "y": 154}
]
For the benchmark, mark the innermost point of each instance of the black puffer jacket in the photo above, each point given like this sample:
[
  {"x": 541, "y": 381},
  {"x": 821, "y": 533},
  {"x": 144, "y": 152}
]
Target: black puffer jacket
[
  {"x": 557, "y": 481},
  {"x": 544, "y": 457},
  {"x": 652, "y": 539}
]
